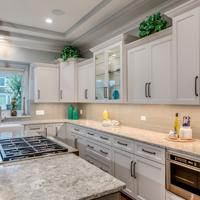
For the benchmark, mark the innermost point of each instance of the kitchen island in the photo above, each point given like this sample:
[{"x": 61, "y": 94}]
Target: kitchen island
[{"x": 60, "y": 177}]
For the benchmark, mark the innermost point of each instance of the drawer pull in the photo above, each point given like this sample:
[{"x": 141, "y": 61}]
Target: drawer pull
[
  {"x": 104, "y": 138},
  {"x": 124, "y": 144},
  {"x": 104, "y": 170},
  {"x": 91, "y": 147},
  {"x": 106, "y": 153},
  {"x": 76, "y": 129},
  {"x": 149, "y": 152},
  {"x": 92, "y": 134},
  {"x": 32, "y": 129},
  {"x": 90, "y": 162}
]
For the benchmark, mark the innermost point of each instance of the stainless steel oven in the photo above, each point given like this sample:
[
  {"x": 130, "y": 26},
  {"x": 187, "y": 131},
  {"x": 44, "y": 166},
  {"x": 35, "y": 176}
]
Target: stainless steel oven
[{"x": 183, "y": 176}]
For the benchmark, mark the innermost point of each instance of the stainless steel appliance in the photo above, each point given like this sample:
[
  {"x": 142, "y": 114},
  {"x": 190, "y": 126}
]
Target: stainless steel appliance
[
  {"x": 25, "y": 147},
  {"x": 183, "y": 176}
]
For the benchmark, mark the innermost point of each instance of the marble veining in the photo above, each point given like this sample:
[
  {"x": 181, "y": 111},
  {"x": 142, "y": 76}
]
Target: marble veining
[{"x": 63, "y": 177}]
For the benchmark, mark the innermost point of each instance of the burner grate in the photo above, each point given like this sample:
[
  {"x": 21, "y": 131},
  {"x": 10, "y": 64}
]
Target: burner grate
[{"x": 16, "y": 148}]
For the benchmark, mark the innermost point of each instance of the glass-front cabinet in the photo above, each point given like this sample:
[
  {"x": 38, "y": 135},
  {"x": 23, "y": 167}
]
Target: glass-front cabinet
[{"x": 108, "y": 73}]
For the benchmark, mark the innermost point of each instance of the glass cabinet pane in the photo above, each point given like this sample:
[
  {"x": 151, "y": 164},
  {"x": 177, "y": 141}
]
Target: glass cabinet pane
[
  {"x": 100, "y": 73},
  {"x": 114, "y": 72}
]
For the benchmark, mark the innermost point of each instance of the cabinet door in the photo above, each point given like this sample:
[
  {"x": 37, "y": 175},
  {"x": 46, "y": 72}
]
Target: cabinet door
[
  {"x": 138, "y": 66},
  {"x": 114, "y": 73},
  {"x": 61, "y": 131},
  {"x": 186, "y": 53},
  {"x": 123, "y": 169},
  {"x": 50, "y": 130},
  {"x": 150, "y": 179},
  {"x": 83, "y": 83},
  {"x": 81, "y": 146},
  {"x": 160, "y": 71},
  {"x": 68, "y": 82},
  {"x": 101, "y": 86},
  {"x": 46, "y": 84}
]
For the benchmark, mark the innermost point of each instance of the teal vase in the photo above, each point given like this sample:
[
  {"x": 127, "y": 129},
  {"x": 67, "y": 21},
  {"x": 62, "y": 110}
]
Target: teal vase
[
  {"x": 75, "y": 113},
  {"x": 70, "y": 112}
]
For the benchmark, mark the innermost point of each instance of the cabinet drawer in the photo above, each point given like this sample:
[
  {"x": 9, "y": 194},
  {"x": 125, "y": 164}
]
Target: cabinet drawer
[
  {"x": 124, "y": 144},
  {"x": 106, "y": 167},
  {"x": 104, "y": 152},
  {"x": 35, "y": 127},
  {"x": 153, "y": 153},
  {"x": 104, "y": 138}
]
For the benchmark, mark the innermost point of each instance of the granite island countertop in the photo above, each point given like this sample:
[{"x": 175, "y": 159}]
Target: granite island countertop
[
  {"x": 59, "y": 177},
  {"x": 141, "y": 135}
]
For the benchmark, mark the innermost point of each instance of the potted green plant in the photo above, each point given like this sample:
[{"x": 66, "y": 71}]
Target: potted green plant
[
  {"x": 69, "y": 53},
  {"x": 152, "y": 24}
]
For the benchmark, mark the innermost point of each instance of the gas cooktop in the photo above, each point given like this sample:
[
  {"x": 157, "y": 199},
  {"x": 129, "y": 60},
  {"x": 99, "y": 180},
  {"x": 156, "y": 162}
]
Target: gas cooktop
[{"x": 24, "y": 147}]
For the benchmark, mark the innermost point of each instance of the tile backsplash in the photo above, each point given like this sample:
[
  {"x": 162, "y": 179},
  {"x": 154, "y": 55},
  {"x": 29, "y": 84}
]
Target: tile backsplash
[{"x": 158, "y": 117}]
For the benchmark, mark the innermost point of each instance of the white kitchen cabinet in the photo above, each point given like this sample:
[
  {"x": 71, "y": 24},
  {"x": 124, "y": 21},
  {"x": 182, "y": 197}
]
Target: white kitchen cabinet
[
  {"x": 186, "y": 52},
  {"x": 149, "y": 72},
  {"x": 150, "y": 179},
  {"x": 138, "y": 62},
  {"x": 110, "y": 70},
  {"x": 45, "y": 83},
  {"x": 68, "y": 81},
  {"x": 123, "y": 169},
  {"x": 86, "y": 81}
]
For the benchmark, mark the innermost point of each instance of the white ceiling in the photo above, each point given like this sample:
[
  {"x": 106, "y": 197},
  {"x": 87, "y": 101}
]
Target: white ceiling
[
  {"x": 34, "y": 12},
  {"x": 84, "y": 21}
]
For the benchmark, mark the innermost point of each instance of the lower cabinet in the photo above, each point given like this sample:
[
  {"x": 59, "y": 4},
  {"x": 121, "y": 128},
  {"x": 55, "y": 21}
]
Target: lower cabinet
[
  {"x": 124, "y": 170},
  {"x": 150, "y": 179}
]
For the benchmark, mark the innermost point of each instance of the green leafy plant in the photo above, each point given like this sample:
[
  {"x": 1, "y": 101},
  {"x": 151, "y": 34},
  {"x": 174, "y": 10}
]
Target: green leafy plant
[
  {"x": 69, "y": 52},
  {"x": 152, "y": 24}
]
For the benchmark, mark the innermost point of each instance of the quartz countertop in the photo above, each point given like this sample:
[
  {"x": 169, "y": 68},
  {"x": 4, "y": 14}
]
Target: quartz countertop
[
  {"x": 142, "y": 135},
  {"x": 58, "y": 177}
]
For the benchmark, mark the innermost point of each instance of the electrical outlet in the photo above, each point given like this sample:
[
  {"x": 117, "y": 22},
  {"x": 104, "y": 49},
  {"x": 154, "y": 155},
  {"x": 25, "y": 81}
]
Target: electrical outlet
[
  {"x": 39, "y": 112},
  {"x": 81, "y": 112},
  {"x": 143, "y": 118}
]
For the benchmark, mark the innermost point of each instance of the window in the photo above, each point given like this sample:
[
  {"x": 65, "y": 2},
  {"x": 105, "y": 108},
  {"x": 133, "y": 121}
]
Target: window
[{"x": 14, "y": 85}]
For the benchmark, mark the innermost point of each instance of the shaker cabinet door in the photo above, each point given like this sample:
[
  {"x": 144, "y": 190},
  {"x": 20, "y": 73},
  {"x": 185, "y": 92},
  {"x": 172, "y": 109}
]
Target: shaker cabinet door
[
  {"x": 186, "y": 51},
  {"x": 138, "y": 66}
]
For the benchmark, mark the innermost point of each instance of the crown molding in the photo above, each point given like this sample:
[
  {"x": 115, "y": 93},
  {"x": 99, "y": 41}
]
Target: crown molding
[{"x": 183, "y": 8}]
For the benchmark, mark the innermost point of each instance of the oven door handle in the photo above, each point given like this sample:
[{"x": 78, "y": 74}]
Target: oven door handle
[{"x": 184, "y": 165}]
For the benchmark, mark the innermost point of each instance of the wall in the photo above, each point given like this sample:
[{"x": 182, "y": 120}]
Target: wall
[{"x": 158, "y": 117}]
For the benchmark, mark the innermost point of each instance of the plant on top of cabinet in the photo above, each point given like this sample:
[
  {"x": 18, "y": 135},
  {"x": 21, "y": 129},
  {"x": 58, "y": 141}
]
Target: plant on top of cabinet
[
  {"x": 152, "y": 24},
  {"x": 69, "y": 52}
]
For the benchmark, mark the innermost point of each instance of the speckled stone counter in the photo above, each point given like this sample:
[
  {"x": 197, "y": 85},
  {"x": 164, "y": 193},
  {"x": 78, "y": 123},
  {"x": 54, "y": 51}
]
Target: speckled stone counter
[
  {"x": 63, "y": 177},
  {"x": 146, "y": 136}
]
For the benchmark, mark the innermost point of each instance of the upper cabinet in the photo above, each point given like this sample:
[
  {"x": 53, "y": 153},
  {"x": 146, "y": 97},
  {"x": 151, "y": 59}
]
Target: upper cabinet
[
  {"x": 150, "y": 70},
  {"x": 186, "y": 52},
  {"x": 68, "y": 81},
  {"x": 45, "y": 83},
  {"x": 86, "y": 81},
  {"x": 110, "y": 69}
]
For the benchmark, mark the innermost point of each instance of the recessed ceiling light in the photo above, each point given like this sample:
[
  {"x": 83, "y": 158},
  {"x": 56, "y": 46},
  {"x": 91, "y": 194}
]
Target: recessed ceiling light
[
  {"x": 49, "y": 21},
  {"x": 58, "y": 12}
]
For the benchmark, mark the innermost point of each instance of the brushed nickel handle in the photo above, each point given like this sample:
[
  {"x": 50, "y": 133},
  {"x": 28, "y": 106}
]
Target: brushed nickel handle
[
  {"x": 38, "y": 94},
  {"x": 149, "y": 152}
]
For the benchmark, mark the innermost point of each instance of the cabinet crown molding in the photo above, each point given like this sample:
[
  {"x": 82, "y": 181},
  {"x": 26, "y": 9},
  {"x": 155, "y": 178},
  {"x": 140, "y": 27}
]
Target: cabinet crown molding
[{"x": 183, "y": 8}]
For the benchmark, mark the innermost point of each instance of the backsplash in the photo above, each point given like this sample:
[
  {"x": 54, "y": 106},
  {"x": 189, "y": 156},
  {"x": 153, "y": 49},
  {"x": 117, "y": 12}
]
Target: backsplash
[{"x": 158, "y": 117}]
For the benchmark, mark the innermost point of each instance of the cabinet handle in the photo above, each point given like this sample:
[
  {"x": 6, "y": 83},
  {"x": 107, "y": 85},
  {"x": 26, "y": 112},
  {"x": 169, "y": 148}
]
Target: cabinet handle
[
  {"x": 131, "y": 168},
  {"x": 104, "y": 138},
  {"x": 38, "y": 94},
  {"x": 46, "y": 132},
  {"x": 86, "y": 93},
  {"x": 146, "y": 90},
  {"x": 33, "y": 129},
  {"x": 105, "y": 92},
  {"x": 195, "y": 86},
  {"x": 124, "y": 144},
  {"x": 56, "y": 131},
  {"x": 76, "y": 143},
  {"x": 149, "y": 90},
  {"x": 149, "y": 152},
  {"x": 61, "y": 94},
  {"x": 92, "y": 134},
  {"x": 91, "y": 147},
  {"x": 104, "y": 170},
  {"x": 134, "y": 170},
  {"x": 76, "y": 129},
  {"x": 90, "y": 162},
  {"x": 106, "y": 153}
]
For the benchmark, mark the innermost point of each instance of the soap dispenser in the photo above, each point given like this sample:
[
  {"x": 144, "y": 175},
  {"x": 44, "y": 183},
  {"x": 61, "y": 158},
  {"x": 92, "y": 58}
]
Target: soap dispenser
[
  {"x": 75, "y": 114},
  {"x": 70, "y": 111}
]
